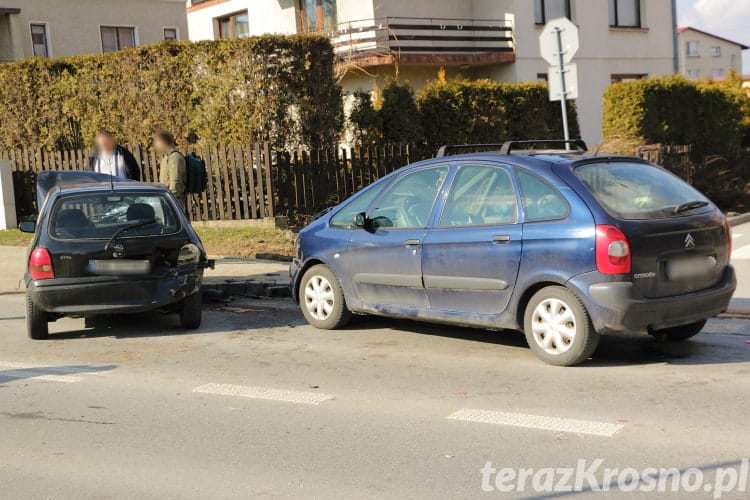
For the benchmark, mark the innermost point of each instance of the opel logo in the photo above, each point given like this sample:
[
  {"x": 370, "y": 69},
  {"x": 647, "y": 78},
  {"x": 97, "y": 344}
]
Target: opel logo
[{"x": 689, "y": 241}]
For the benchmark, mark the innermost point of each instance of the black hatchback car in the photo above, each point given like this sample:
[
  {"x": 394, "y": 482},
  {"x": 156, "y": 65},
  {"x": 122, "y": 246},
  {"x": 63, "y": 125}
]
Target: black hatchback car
[{"x": 102, "y": 246}]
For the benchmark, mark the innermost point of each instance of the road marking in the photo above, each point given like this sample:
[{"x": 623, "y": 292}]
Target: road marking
[
  {"x": 537, "y": 422},
  {"x": 244, "y": 391},
  {"x": 69, "y": 374},
  {"x": 736, "y": 236},
  {"x": 742, "y": 253}
]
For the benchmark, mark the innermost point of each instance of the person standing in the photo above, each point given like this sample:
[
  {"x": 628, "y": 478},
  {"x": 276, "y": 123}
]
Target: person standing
[
  {"x": 172, "y": 167},
  {"x": 112, "y": 159}
]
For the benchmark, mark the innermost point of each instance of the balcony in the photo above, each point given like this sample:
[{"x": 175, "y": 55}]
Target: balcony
[{"x": 408, "y": 40}]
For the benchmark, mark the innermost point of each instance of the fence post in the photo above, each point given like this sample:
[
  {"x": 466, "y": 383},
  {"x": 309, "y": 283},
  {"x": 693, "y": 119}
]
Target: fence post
[
  {"x": 7, "y": 197},
  {"x": 269, "y": 185}
]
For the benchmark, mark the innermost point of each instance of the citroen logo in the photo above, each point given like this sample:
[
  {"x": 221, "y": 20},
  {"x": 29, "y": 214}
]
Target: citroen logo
[{"x": 689, "y": 241}]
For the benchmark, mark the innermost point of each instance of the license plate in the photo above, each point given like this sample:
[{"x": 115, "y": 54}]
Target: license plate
[
  {"x": 119, "y": 267},
  {"x": 692, "y": 267}
]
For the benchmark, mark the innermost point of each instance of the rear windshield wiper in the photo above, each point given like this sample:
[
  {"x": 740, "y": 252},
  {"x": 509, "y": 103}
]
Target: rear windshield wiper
[
  {"x": 119, "y": 232},
  {"x": 691, "y": 205}
]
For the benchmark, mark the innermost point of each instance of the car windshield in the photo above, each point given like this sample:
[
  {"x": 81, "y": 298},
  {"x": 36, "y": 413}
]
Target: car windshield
[
  {"x": 102, "y": 215},
  {"x": 639, "y": 191}
]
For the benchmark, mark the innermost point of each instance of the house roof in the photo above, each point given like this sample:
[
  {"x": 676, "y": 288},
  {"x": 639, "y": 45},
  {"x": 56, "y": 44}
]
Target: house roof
[{"x": 682, "y": 29}]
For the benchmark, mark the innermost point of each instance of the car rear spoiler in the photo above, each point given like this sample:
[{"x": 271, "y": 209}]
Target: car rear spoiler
[{"x": 47, "y": 180}]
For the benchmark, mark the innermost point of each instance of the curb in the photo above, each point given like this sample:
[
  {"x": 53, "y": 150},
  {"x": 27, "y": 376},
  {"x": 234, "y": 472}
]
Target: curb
[
  {"x": 246, "y": 288},
  {"x": 739, "y": 219}
]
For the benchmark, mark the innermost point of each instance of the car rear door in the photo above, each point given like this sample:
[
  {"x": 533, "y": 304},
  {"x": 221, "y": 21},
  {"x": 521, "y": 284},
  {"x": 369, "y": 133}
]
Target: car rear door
[
  {"x": 678, "y": 239},
  {"x": 471, "y": 256},
  {"x": 384, "y": 260}
]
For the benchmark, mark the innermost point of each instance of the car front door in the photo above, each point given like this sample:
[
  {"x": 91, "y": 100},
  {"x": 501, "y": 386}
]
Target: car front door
[
  {"x": 384, "y": 259},
  {"x": 471, "y": 256}
]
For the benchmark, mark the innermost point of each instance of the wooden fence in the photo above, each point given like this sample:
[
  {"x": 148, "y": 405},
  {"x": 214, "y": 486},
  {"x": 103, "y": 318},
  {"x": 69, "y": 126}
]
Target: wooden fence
[{"x": 244, "y": 182}]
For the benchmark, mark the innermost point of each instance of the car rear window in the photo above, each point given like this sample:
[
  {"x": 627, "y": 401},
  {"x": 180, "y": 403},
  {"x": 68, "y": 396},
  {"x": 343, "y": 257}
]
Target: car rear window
[
  {"x": 638, "y": 191},
  {"x": 101, "y": 215}
]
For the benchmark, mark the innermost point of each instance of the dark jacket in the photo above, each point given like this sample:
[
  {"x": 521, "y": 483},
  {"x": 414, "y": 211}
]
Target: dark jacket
[{"x": 132, "y": 168}]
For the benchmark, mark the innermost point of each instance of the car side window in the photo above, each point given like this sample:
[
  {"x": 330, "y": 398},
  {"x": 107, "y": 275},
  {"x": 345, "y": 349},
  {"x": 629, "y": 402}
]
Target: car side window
[
  {"x": 480, "y": 195},
  {"x": 344, "y": 219},
  {"x": 541, "y": 201},
  {"x": 409, "y": 203}
]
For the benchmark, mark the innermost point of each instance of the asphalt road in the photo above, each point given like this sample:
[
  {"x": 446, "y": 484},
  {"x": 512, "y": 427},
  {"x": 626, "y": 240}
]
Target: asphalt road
[{"x": 258, "y": 405}]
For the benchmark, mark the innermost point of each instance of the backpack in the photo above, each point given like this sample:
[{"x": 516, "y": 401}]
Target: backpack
[{"x": 197, "y": 175}]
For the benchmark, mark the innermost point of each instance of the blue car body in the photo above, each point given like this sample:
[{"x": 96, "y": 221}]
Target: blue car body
[{"x": 483, "y": 274}]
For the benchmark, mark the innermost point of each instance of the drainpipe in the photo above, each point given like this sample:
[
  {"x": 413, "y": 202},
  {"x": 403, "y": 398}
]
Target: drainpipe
[{"x": 675, "y": 41}]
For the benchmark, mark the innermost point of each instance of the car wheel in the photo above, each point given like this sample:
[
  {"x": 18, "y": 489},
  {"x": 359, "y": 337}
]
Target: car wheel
[
  {"x": 558, "y": 328},
  {"x": 322, "y": 300},
  {"x": 191, "y": 311},
  {"x": 679, "y": 333},
  {"x": 37, "y": 323}
]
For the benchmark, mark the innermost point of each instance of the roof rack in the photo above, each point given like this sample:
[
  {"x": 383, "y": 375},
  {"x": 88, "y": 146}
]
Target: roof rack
[{"x": 507, "y": 147}]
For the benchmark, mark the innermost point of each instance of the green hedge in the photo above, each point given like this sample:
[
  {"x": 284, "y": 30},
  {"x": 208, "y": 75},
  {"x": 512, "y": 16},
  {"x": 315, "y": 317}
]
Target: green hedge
[
  {"x": 273, "y": 88},
  {"x": 672, "y": 110},
  {"x": 461, "y": 112}
]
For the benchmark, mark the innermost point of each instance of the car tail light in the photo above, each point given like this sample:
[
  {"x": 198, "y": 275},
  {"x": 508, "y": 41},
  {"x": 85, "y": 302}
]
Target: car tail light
[
  {"x": 40, "y": 265},
  {"x": 612, "y": 251},
  {"x": 729, "y": 239}
]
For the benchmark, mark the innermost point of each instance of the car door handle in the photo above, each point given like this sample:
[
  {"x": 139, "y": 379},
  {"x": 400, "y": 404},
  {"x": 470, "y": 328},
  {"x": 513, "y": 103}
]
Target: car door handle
[
  {"x": 412, "y": 243},
  {"x": 501, "y": 238}
]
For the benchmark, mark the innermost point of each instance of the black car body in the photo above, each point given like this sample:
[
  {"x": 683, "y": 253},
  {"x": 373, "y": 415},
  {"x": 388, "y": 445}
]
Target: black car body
[{"x": 106, "y": 246}]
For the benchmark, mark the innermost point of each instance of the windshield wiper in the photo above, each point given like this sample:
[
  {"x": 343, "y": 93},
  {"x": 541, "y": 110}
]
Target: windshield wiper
[
  {"x": 691, "y": 205},
  {"x": 119, "y": 232}
]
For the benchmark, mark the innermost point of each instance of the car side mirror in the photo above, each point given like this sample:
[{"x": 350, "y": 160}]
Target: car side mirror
[
  {"x": 360, "y": 220},
  {"x": 27, "y": 226}
]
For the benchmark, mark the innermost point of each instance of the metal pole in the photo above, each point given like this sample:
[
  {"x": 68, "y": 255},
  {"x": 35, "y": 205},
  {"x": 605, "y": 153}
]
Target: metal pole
[{"x": 564, "y": 96}]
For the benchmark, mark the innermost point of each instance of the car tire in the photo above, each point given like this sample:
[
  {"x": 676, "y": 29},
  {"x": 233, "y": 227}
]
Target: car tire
[
  {"x": 680, "y": 333},
  {"x": 191, "y": 311},
  {"x": 37, "y": 322},
  {"x": 558, "y": 328},
  {"x": 322, "y": 299}
]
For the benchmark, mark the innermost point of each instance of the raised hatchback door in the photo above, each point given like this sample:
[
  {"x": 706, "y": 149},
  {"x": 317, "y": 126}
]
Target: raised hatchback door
[{"x": 470, "y": 259}]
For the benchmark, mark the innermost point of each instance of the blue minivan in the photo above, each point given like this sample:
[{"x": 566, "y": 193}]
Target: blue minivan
[{"x": 563, "y": 245}]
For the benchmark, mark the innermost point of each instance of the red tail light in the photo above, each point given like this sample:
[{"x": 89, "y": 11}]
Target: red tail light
[
  {"x": 40, "y": 265},
  {"x": 612, "y": 251},
  {"x": 729, "y": 239}
]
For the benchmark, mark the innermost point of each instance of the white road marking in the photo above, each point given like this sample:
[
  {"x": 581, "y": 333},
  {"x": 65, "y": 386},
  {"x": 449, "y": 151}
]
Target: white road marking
[
  {"x": 742, "y": 253},
  {"x": 13, "y": 371},
  {"x": 736, "y": 236},
  {"x": 555, "y": 424},
  {"x": 244, "y": 391}
]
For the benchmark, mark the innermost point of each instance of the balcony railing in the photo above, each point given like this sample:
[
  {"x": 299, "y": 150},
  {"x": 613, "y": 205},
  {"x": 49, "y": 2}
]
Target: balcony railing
[{"x": 408, "y": 39}]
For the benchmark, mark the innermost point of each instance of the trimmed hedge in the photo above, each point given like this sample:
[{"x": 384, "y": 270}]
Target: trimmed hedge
[
  {"x": 486, "y": 111},
  {"x": 461, "y": 112},
  {"x": 672, "y": 110},
  {"x": 274, "y": 88}
]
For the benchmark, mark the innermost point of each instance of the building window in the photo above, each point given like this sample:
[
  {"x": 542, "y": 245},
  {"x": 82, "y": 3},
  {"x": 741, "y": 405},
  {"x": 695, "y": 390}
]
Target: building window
[
  {"x": 626, "y": 77},
  {"x": 234, "y": 26},
  {"x": 625, "y": 13},
  {"x": 546, "y": 10},
  {"x": 542, "y": 78},
  {"x": 693, "y": 49},
  {"x": 318, "y": 15},
  {"x": 170, "y": 34},
  {"x": 717, "y": 73},
  {"x": 39, "y": 40},
  {"x": 115, "y": 38},
  {"x": 693, "y": 74},
  {"x": 715, "y": 51}
]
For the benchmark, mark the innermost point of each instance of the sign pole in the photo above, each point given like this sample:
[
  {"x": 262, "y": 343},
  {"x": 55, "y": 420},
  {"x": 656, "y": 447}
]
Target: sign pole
[{"x": 564, "y": 96}]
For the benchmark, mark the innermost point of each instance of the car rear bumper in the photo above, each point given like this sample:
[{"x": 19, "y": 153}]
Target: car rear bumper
[
  {"x": 108, "y": 295},
  {"x": 620, "y": 307}
]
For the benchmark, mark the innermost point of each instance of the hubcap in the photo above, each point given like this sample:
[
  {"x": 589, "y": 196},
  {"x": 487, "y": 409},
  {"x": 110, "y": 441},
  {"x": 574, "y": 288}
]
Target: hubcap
[
  {"x": 319, "y": 298},
  {"x": 553, "y": 325}
]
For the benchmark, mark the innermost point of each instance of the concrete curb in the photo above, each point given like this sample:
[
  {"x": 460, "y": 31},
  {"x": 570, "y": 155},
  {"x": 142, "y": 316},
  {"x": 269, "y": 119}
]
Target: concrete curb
[{"x": 739, "y": 219}]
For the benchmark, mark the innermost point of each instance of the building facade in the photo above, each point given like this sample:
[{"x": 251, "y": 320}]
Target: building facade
[
  {"x": 61, "y": 28},
  {"x": 703, "y": 55},
  {"x": 379, "y": 40}
]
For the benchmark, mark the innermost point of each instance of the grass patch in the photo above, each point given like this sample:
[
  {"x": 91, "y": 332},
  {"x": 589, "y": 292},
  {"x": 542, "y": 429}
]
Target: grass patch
[
  {"x": 245, "y": 241},
  {"x": 14, "y": 238}
]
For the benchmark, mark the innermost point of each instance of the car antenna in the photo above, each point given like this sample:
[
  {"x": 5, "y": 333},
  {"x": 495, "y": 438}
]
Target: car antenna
[{"x": 112, "y": 183}]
